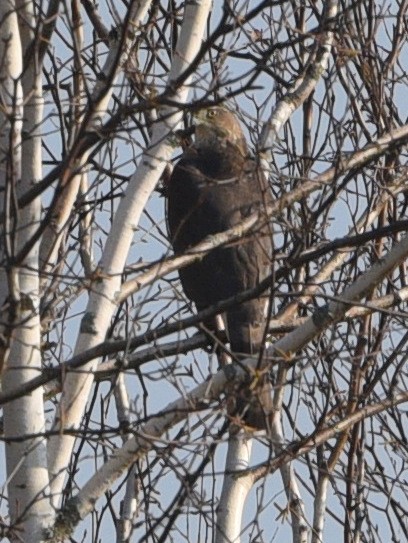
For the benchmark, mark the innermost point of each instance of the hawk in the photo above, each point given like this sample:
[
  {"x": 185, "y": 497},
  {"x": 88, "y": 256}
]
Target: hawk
[{"x": 215, "y": 186}]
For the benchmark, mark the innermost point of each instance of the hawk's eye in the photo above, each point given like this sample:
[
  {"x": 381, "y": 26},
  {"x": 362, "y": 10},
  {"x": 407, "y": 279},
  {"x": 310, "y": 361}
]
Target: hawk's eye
[{"x": 211, "y": 113}]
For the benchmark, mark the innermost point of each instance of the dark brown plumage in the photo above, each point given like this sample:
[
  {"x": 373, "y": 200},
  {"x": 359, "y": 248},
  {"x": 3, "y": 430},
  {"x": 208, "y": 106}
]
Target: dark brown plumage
[{"x": 214, "y": 187}]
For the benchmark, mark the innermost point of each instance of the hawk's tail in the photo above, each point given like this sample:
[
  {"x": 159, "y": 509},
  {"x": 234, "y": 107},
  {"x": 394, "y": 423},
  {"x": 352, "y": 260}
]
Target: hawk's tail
[{"x": 252, "y": 402}]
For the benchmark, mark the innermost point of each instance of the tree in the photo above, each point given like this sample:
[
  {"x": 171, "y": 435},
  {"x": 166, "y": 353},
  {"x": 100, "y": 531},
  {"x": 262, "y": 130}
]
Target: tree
[{"x": 114, "y": 408}]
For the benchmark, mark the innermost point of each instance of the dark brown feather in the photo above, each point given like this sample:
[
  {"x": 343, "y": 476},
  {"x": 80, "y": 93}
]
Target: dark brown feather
[{"x": 212, "y": 189}]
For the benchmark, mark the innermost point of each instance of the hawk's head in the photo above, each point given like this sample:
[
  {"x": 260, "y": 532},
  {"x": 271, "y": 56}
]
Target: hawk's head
[{"x": 217, "y": 125}]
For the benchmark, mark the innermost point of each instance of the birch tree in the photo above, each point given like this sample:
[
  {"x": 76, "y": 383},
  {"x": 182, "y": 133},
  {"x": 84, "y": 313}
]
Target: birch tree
[{"x": 114, "y": 413}]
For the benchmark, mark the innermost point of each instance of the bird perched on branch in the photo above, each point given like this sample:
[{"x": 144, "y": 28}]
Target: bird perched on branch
[{"x": 214, "y": 187}]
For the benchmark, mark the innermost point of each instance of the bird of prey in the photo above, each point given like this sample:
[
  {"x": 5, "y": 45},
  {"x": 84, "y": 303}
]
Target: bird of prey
[{"x": 215, "y": 186}]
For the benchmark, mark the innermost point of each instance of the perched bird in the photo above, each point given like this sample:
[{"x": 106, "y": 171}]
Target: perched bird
[{"x": 215, "y": 186}]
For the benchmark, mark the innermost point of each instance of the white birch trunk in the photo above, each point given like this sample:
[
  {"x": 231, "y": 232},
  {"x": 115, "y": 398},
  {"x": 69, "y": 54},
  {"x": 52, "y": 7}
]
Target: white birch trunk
[
  {"x": 235, "y": 489},
  {"x": 10, "y": 155},
  {"x": 128, "y": 507},
  {"x": 102, "y": 301},
  {"x": 26, "y": 460},
  {"x": 319, "y": 509}
]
